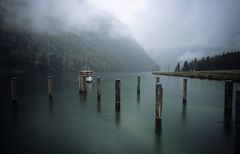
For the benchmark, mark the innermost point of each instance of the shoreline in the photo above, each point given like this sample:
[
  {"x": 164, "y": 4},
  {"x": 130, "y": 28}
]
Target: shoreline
[{"x": 211, "y": 75}]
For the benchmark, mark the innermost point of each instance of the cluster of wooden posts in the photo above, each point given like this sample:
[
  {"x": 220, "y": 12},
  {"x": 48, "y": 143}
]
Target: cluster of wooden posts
[
  {"x": 159, "y": 95},
  {"x": 159, "y": 100}
]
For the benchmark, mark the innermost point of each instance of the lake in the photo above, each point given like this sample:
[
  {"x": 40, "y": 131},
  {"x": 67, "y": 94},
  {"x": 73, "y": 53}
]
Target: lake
[{"x": 73, "y": 123}]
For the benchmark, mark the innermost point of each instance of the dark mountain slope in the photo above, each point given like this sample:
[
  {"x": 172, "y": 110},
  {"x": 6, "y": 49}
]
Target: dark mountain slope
[{"x": 56, "y": 47}]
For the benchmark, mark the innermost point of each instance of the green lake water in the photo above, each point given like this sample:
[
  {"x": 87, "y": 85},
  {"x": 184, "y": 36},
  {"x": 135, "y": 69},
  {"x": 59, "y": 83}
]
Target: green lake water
[{"x": 73, "y": 123}]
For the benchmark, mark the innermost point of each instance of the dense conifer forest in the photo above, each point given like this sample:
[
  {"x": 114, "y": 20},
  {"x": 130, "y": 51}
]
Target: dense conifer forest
[{"x": 226, "y": 61}]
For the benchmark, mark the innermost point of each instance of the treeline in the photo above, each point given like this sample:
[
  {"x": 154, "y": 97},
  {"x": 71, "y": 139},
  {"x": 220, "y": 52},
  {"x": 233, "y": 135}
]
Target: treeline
[{"x": 226, "y": 61}]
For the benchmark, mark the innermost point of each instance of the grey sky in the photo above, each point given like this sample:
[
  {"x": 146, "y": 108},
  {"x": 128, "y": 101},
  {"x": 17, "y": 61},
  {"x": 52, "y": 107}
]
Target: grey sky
[{"x": 169, "y": 30}]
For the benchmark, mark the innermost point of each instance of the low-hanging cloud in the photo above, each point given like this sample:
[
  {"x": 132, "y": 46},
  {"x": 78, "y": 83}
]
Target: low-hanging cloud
[
  {"x": 64, "y": 15},
  {"x": 190, "y": 23},
  {"x": 176, "y": 27},
  {"x": 190, "y": 55}
]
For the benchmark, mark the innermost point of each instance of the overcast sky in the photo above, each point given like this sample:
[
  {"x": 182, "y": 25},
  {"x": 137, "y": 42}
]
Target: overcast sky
[
  {"x": 178, "y": 23},
  {"x": 169, "y": 30}
]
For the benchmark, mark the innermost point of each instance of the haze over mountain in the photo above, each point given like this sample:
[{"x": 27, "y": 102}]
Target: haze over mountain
[
  {"x": 56, "y": 35},
  {"x": 173, "y": 30}
]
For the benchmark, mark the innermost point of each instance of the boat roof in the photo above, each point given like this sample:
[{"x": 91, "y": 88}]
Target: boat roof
[{"x": 85, "y": 71}]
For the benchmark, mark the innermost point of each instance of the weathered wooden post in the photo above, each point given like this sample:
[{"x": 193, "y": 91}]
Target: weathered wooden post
[
  {"x": 184, "y": 91},
  {"x": 82, "y": 84},
  {"x": 228, "y": 97},
  {"x": 237, "y": 113},
  {"x": 98, "y": 88},
  {"x": 79, "y": 84},
  {"x": 237, "y": 119},
  {"x": 138, "y": 85},
  {"x": 159, "y": 98},
  {"x": 117, "y": 94},
  {"x": 51, "y": 105},
  {"x": 50, "y": 86},
  {"x": 14, "y": 89},
  {"x": 184, "y": 112},
  {"x": 157, "y": 79}
]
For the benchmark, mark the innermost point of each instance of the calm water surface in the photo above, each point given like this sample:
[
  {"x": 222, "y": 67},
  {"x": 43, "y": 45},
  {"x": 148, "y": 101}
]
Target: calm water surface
[{"x": 73, "y": 123}]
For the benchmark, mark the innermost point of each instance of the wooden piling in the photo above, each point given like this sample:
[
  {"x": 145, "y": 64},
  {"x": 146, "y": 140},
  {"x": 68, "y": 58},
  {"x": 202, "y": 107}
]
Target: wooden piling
[
  {"x": 79, "y": 84},
  {"x": 50, "y": 86},
  {"x": 184, "y": 91},
  {"x": 228, "y": 97},
  {"x": 237, "y": 140},
  {"x": 14, "y": 89},
  {"x": 82, "y": 84},
  {"x": 159, "y": 98},
  {"x": 98, "y": 88},
  {"x": 237, "y": 109},
  {"x": 237, "y": 119},
  {"x": 117, "y": 94},
  {"x": 138, "y": 85},
  {"x": 157, "y": 79}
]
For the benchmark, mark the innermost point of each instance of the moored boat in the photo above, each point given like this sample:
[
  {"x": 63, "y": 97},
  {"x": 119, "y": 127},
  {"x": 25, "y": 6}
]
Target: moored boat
[{"x": 88, "y": 74}]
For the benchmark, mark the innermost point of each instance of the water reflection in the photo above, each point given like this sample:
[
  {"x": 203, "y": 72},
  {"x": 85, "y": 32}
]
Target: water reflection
[
  {"x": 227, "y": 124},
  {"x": 237, "y": 139},
  {"x": 51, "y": 105},
  {"x": 184, "y": 113},
  {"x": 158, "y": 144},
  {"x": 75, "y": 108},
  {"x": 138, "y": 101},
  {"x": 98, "y": 106},
  {"x": 118, "y": 118},
  {"x": 158, "y": 127},
  {"x": 99, "y": 98},
  {"x": 15, "y": 111},
  {"x": 138, "y": 98},
  {"x": 83, "y": 97},
  {"x": 89, "y": 87}
]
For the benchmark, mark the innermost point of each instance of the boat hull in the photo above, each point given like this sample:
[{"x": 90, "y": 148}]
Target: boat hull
[{"x": 89, "y": 79}]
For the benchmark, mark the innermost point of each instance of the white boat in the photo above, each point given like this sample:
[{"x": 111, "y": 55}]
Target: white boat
[
  {"x": 89, "y": 79},
  {"x": 88, "y": 74}
]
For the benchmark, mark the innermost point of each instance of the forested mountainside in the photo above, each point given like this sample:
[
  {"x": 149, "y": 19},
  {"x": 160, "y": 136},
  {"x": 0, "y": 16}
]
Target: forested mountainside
[
  {"x": 55, "y": 49},
  {"x": 44, "y": 52}
]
